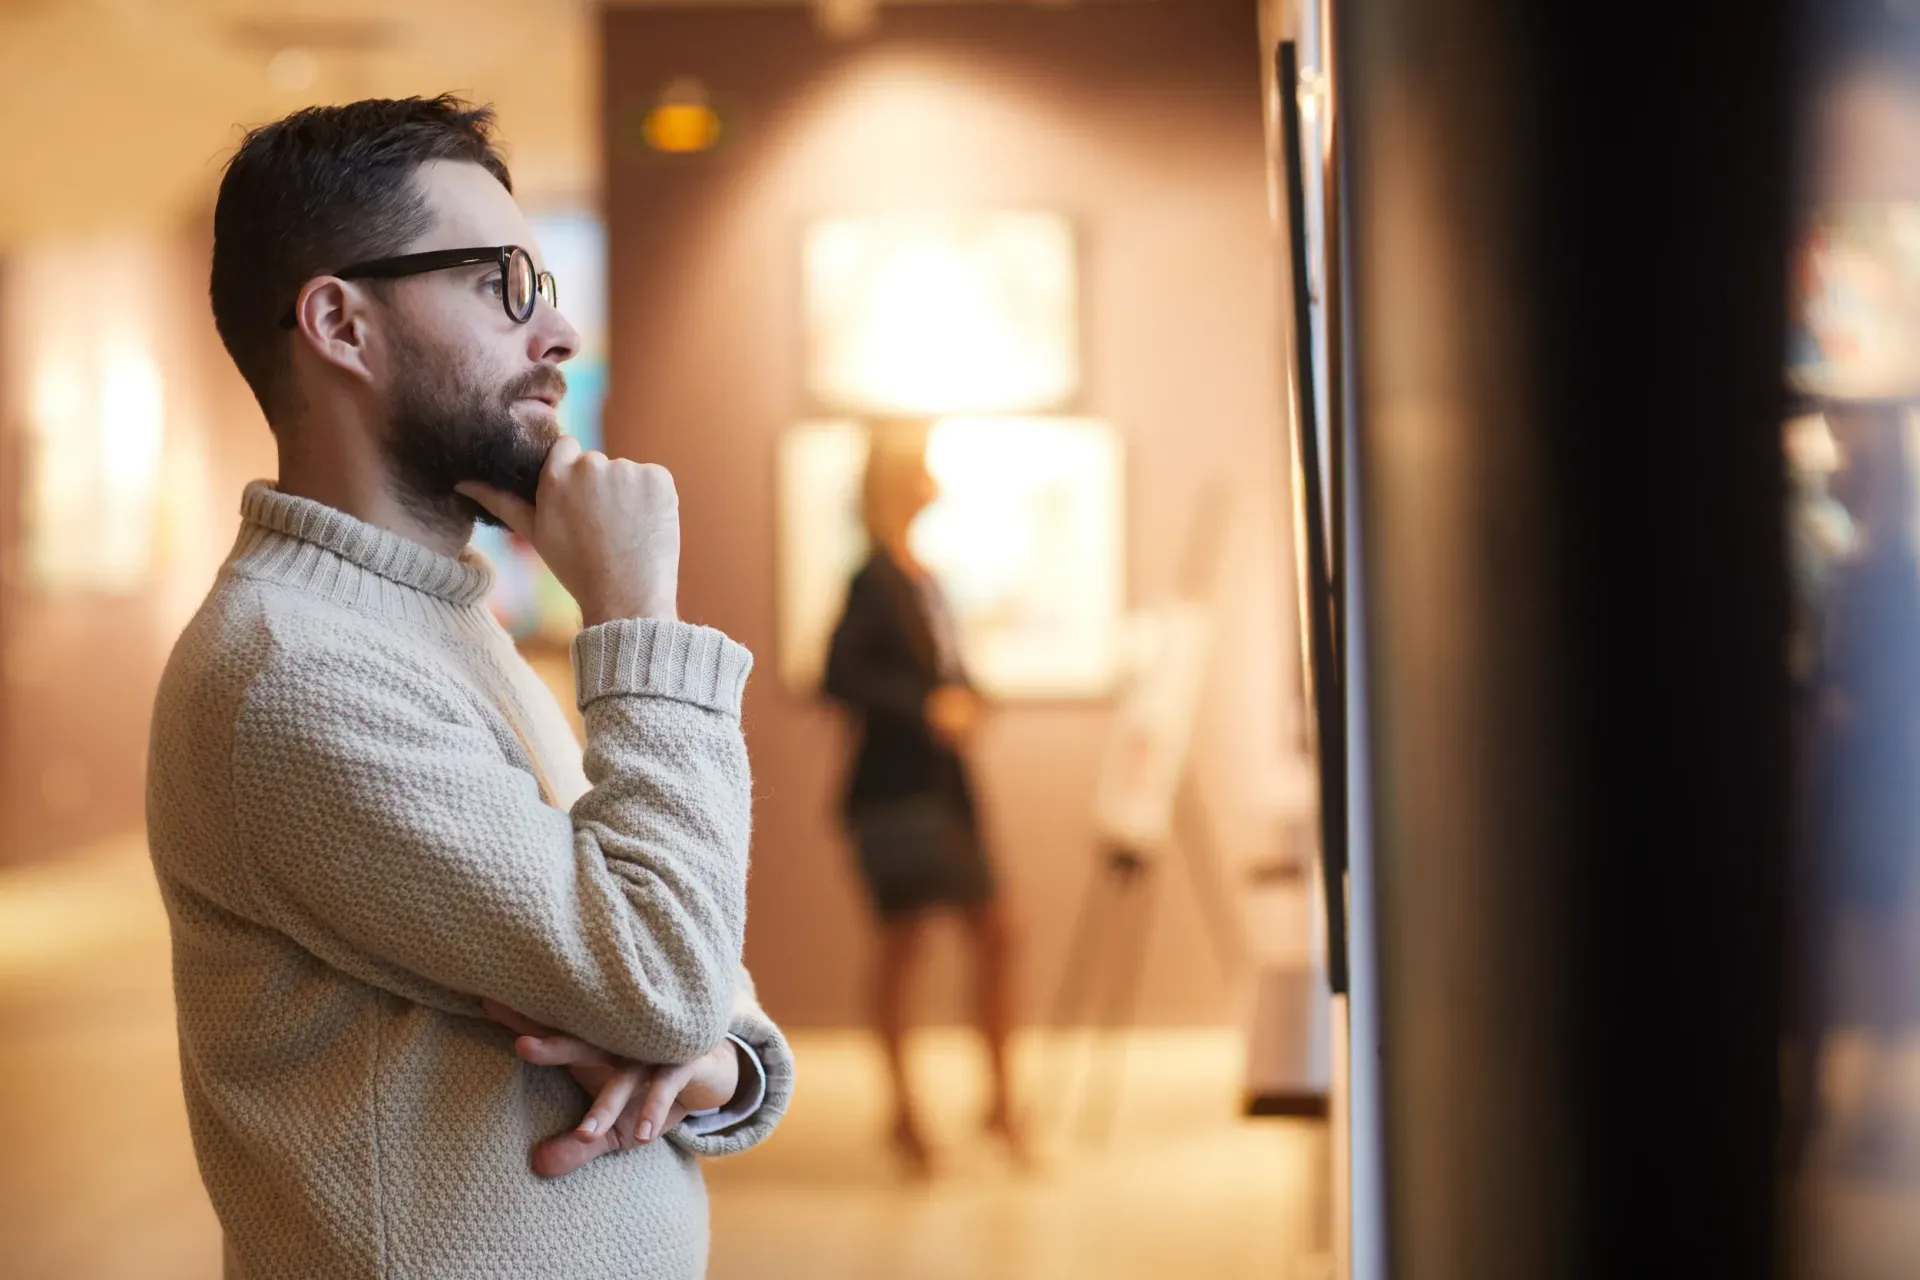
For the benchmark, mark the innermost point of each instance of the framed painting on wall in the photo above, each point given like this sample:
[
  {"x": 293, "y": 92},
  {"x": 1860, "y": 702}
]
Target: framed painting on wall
[
  {"x": 92, "y": 414},
  {"x": 1027, "y": 538},
  {"x": 926, "y": 313}
]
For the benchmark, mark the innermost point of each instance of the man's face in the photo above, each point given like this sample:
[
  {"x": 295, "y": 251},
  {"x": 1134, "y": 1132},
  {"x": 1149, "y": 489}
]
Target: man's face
[{"x": 472, "y": 394}]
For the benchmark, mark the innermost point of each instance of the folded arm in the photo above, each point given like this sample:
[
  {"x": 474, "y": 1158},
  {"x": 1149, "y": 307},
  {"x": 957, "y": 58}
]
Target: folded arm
[
  {"x": 719, "y": 1105},
  {"x": 742, "y": 1125},
  {"x": 391, "y": 833}
]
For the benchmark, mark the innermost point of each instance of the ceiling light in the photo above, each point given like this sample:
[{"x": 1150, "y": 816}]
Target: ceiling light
[
  {"x": 683, "y": 121},
  {"x": 846, "y": 19}
]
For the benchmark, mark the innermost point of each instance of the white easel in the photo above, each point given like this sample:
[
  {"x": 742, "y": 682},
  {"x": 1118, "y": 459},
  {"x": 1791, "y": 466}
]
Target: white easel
[{"x": 1144, "y": 807}]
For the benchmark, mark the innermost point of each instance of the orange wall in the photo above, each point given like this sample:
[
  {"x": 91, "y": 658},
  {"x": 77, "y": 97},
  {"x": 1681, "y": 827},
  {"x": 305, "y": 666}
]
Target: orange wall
[{"x": 1143, "y": 122}]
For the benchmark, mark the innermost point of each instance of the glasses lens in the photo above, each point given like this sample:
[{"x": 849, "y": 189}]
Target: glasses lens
[
  {"x": 550, "y": 290},
  {"x": 520, "y": 285}
]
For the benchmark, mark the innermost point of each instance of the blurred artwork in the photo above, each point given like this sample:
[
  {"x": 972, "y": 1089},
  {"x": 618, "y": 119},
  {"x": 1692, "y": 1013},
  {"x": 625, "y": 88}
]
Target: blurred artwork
[
  {"x": 1856, "y": 328},
  {"x": 95, "y": 414},
  {"x": 527, "y": 599},
  {"x": 1821, "y": 533},
  {"x": 941, "y": 313},
  {"x": 1026, "y": 538},
  {"x": 1166, "y": 654}
]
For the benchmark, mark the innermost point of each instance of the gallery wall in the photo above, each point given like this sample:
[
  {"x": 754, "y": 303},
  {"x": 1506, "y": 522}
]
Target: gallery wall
[
  {"x": 1142, "y": 122},
  {"x": 103, "y": 562},
  {"x": 107, "y": 354}
]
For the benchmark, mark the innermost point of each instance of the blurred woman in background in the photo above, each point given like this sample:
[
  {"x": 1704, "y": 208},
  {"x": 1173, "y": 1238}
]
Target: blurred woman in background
[{"x": 895, "y": 664}]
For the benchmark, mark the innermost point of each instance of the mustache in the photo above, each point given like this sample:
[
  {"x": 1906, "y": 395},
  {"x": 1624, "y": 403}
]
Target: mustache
[{"x": 545, "y": 380}]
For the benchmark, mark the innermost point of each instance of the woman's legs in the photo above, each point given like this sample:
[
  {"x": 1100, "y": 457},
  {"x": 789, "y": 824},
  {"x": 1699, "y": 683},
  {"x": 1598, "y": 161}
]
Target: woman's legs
[
  {"x": 902, "y": 941},
  {"x": 993, "y": 940}
]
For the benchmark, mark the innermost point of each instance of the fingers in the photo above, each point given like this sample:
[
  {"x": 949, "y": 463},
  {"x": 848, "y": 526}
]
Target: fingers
[
  {"x": 559, "y": 1156},
  {"x": 517, "y": 1022},
  {"x": 560, "y": 459},
  {"x": 657, "y": 1108},
  {"x": 592, "y": 1079},
  {"x": 513, "y": 511},
  {"x": 557, "y": 1050},
  {"x": 544, "y": 1047},
  {"x": 563, "y": 454},
  {"x": 638, "y": 1118},
  {"x": 611, "y": 1101}
]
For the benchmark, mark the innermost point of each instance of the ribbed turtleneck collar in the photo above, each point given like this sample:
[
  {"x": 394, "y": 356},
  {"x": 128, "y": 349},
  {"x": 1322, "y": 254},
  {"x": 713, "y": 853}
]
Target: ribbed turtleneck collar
[{"x": 283, "y": 538}]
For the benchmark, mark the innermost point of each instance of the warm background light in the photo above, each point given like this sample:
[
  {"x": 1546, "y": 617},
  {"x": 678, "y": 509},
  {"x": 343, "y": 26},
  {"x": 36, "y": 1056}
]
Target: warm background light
[
  {"x": 1028, "y": 538},
  {"x": 936, "y": 313},
  {"x": 95, "y": 424},
  {"x": 683, "y": 122}
]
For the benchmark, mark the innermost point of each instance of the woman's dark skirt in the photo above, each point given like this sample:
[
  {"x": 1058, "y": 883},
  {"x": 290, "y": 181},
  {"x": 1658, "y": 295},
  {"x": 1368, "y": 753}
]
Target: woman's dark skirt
[{"x": 917, "y": 853}]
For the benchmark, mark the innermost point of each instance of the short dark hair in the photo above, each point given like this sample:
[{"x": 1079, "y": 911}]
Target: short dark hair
[{"x": 317, "y": 191}]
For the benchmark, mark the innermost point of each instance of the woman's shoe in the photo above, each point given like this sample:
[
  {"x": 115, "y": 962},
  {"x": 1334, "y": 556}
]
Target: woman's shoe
[
  {"x": 1002, "y": 1124},
  {"x": 916, "y": 1157}
]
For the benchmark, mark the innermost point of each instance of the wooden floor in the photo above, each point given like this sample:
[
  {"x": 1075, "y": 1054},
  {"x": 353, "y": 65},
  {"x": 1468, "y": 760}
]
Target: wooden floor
[{"x": 97, "y": 1180}]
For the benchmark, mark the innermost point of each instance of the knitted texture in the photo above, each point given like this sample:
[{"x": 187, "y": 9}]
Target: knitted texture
[{"x": 366, "y": 812}]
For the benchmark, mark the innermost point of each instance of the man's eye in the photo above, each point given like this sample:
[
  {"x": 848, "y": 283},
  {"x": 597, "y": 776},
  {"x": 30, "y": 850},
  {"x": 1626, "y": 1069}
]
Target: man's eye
[{"x": 494, "y": 284}]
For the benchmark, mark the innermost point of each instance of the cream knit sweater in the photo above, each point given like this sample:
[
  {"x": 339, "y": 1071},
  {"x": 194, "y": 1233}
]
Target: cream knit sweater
[{"x": 366, "y": 813}]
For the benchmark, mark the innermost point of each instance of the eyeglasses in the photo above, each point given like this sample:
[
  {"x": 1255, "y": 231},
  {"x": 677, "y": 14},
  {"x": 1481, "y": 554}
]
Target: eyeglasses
[{"x": 520, "y": 285}]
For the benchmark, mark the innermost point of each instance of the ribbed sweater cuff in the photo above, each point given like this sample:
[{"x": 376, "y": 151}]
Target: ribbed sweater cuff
[
  {"x": 776, "y": 1060},
  {"x": 649, "y": 658}
]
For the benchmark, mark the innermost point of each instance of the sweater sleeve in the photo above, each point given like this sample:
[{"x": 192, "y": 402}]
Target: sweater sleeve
[
  {"x": 390, "y": 833},
  {"x": 751, "y": 1025}
]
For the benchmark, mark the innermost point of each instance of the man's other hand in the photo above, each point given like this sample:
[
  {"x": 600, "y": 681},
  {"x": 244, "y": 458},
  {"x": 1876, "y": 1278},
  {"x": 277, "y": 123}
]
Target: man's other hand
[{"x": 633, "y": 1102}]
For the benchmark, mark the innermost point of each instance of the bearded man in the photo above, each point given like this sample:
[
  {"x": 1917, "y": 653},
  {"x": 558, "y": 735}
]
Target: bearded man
[{"x": 414, "y": 929}]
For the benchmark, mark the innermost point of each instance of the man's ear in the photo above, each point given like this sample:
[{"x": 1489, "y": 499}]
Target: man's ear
[{"x": 331, "y": 318}]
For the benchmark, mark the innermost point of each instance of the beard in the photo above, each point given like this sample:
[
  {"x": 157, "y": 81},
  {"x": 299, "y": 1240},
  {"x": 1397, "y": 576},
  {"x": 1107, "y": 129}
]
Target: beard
[{"x": 448, "y": 427}]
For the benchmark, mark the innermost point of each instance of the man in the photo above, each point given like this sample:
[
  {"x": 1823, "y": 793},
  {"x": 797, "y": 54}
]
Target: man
[{"x": 375, "y": 834}]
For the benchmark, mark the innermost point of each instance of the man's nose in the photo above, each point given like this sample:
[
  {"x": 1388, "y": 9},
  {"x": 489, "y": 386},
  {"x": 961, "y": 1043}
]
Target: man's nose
[{"x": 553, "y": 338}]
